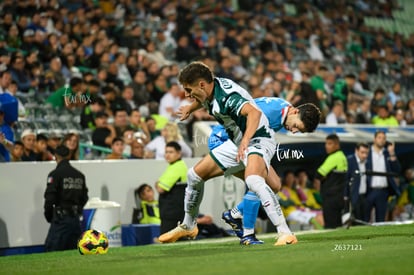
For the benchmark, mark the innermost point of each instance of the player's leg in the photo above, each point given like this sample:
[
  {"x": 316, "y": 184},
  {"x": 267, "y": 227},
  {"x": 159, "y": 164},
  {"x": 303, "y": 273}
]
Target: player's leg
[
  {"x": 258, "y": 161},
  {"x": 196, "y": 176}
]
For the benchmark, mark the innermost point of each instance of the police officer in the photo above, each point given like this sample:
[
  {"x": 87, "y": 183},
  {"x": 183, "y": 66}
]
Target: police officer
[{"x": 66, "y": 194}]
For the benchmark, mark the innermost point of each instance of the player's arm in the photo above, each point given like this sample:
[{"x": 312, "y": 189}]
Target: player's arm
[
  {"x": 253, "y": 117},
  {"x": 185, "y": 111}
]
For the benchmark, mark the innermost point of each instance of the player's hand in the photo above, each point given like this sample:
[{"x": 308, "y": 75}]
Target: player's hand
[
  {"x": 243, "y": 149},
  {"x": 184, "y": 112}
]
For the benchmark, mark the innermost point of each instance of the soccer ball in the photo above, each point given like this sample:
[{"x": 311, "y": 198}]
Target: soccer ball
[{"x": 93, "y": 242}]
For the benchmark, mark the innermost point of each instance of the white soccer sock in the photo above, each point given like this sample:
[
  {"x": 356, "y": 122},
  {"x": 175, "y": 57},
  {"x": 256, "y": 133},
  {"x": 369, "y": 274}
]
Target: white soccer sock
[
  {"x": 192, "y": 199},
  {"x": 269, "y": 201},
  {"x": 235, "y": 213},
  {"x": 248, "y": 231}
]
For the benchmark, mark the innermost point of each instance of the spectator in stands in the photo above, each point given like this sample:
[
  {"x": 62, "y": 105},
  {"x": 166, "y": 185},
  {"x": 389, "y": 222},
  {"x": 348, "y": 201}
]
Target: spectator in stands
[
  {"x": 356, "y": 187},
  {"x": 87, "y": 117},
  {"x": 395, "y": 94},
  {"x": 170, "y": 102},
  {"x": 6, "y": 138},
  {"x": 317, "y": 83},
  {"x": 5, "y": 80},
  {"x": 363, "y": 114},
  {"x": 141, "y": 95},
  {"x": 384, "y": 118},
  {"x": 55, "y": 73},
  {"x": 331, "y": 179},
  {"x": 71, "y": 141},
  {"x": 104, "y": 133},
  {"x": 137, "y": 149},
  {"x": 171, "y": 187},
  {"x": 121, "y": 121},
  {"x": 40, "y": 148},
  {"x": 53, "y": 141},
  {"x": 117, "y": 149},
  {"x": 69, "y": 96},
  {"x": 17, "y": 152},
  {"x": 400, "y": 117},
  {"x": 19, "y": 74},
  {"x": 384, "y": 165},
  {"x": 28, "y": 138},
  {"x": 153, "y": 131},
  {"x": 138, "y": 124},
  {"x": 150, "y": 212},
  {"x": 128, "y": 96},
  {"x": 379, "y": 99},
  {"x": 409, "y": 115},
  {"x": 336, "y": 115},
  {"x": 12, "y": 90},
  {"x": 170, "y": 132},
  {"x": 344, "y": 89}
]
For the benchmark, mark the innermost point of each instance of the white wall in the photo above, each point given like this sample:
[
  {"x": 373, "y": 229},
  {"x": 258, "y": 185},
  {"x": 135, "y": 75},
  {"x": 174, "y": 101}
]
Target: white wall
[{"x": 22, "y": 186}]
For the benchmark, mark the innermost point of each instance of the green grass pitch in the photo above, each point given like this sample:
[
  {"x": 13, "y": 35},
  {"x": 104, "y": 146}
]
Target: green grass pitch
[{"x": 358, "y": 250}]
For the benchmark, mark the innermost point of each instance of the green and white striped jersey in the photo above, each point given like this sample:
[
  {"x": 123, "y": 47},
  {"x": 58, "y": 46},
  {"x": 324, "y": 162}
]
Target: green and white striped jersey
[{"x": 229, "y": 98}]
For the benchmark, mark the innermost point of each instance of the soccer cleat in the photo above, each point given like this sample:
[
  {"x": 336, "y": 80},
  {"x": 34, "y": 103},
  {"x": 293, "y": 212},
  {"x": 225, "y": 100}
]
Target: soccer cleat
[
  {"x": 236, "y": 224},
  {"x": 250, "y": 240},
  {"x": 179, "y": 232},
  {"x": 285, "y": 239}
]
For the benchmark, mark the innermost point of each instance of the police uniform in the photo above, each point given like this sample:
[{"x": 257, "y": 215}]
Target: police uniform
[{"x": 66, "y": 194}]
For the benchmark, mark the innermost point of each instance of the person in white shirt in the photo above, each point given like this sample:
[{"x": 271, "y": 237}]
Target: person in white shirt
[
  {"x": 169, "y": 133},
  {"x": 170, "y": 102}
]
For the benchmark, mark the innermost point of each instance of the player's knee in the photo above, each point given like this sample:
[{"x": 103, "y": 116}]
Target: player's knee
[{"x": 254, "y": 182}]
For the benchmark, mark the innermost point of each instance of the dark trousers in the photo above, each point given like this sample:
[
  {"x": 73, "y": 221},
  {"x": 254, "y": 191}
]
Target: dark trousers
[
  {"x": 359, "y": 209},
  {"x": 63, "y": 234},
  {"x": 378, "y": 199},
  {"x": 332, "y": 211}
]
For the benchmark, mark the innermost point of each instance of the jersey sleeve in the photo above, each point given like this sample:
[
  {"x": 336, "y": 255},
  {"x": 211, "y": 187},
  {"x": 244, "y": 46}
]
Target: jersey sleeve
[
  {"x": 234, "y": 103},
  {"x": 327, "y": 166},
  {"x": 171, "y": 176}
]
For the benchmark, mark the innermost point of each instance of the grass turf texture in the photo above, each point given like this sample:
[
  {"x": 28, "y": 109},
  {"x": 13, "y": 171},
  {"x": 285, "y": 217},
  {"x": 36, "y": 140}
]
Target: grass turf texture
[{"x": 358, "y": 250}]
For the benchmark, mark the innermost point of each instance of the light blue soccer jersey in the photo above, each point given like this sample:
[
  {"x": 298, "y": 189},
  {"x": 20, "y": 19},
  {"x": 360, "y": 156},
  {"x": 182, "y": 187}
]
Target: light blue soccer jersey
[
  {"x": 274, "y": 108},
  {"x": 229, "y": 99}
]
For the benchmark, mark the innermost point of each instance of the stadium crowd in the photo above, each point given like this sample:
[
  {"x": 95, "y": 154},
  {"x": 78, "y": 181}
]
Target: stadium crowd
[{"x": 108, "y": 69}]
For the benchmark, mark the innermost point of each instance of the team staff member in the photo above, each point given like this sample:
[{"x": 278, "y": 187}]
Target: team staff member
[
  {"x": 171, "y": 187},
  {"x": 66, "y": 194},
  {"x": 331, "y": 177},
  {"x": 356, "y": 185},
  {"x": 381, "y": 160}
]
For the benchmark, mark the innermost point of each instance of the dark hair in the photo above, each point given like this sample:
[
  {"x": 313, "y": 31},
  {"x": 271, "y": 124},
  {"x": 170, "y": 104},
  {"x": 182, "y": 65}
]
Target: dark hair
[
  {"x": 141, "y": 188},
  {"x": 333, "y": 137},
  {"x": 174, "y": 145},
  {"x": 98, "y": 100},
  {"x": 310, "y": 115},
  {"x": 75, "y": 81},
  {"x": 379, "y": 132},
  {"x": 62, "y": 151},
  {"x": 117, "y": 139},
  {"x": 94, "y": 82},
  {"x": 361, "y": 144},
  {"x": 195, "y": 71},
  {"x": 41, "y": 137},
  {"x": 18, "y": 143}
]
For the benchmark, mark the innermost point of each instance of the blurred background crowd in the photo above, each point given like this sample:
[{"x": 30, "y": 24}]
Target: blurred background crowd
[{"x": 104, "y": 73}]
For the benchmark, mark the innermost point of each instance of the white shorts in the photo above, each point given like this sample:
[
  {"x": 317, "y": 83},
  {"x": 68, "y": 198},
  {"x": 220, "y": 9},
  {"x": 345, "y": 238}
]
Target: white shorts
[
  {"x": 301, "y": 216},
  {"x": 225, "y": 154}
]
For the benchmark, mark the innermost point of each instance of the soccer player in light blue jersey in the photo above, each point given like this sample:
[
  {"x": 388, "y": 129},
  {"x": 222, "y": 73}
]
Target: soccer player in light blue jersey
[{"x": 280, "y": 114}]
